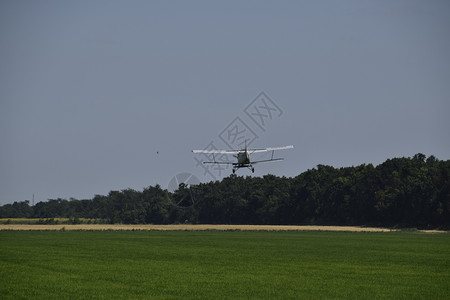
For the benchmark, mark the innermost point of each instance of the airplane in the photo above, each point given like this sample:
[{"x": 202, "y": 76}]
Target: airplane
[{"x": 243, "y": 156}]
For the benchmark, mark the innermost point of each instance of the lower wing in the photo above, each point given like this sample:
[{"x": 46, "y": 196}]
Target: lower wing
[
  {"x": 251, "y": 162},
  {"x": 267, "y": 160},
  {"x": 220, "y": 162}
]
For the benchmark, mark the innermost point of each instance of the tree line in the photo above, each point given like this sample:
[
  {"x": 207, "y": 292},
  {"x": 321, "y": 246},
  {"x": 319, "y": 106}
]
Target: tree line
[{"x": 401, "y": 192}]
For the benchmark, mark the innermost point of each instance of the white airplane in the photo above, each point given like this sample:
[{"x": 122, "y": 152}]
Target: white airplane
[{"x": 243, "y": 156}]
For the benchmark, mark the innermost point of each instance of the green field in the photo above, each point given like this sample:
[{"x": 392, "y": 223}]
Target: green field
[{"x": 223, "y": 265}]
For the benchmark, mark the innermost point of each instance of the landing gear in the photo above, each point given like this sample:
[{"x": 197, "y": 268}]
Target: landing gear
[{"x": 237, "y": 167}]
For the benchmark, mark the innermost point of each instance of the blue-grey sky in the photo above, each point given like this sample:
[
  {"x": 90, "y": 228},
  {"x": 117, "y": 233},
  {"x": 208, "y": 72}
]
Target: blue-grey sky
[{"x": 106, "y": 95}]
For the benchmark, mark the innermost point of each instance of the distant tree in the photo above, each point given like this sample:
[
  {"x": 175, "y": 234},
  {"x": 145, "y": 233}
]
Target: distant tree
[
  {"x": 156, "y": 203},
  {"x": 16, "y": 210}
]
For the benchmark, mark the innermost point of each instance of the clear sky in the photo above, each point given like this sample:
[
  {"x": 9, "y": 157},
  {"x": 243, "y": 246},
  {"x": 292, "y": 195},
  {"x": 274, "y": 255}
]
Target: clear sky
[{"x": 107, "y": 95}]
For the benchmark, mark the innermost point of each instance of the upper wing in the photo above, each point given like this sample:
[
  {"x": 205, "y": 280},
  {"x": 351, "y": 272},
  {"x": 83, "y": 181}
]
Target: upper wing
[
  {"x": 237, "y": 151},
  {"x": 270, "y": 149},
  {"x": 216, "y": 151}
]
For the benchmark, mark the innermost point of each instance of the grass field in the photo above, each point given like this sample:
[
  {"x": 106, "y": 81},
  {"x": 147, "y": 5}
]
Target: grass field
[{"x": 223, "y": 265}]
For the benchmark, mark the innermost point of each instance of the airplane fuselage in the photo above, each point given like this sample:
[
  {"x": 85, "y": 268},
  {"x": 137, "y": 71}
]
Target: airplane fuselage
[{"x": 243, "y": 158}]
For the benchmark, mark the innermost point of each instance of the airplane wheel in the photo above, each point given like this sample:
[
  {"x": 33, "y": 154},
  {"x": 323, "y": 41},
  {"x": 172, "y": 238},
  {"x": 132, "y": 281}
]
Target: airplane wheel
[
  {"x": 253, "y": 170},
  {"x": 234, "y": 171}
]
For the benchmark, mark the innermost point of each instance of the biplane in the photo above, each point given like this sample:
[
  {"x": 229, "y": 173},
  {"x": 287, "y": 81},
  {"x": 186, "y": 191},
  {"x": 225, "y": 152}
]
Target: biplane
[{"x": 242, "y": 156}]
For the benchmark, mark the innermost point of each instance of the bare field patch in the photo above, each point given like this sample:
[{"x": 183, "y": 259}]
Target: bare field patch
[{"x": 191, "y": 227}]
